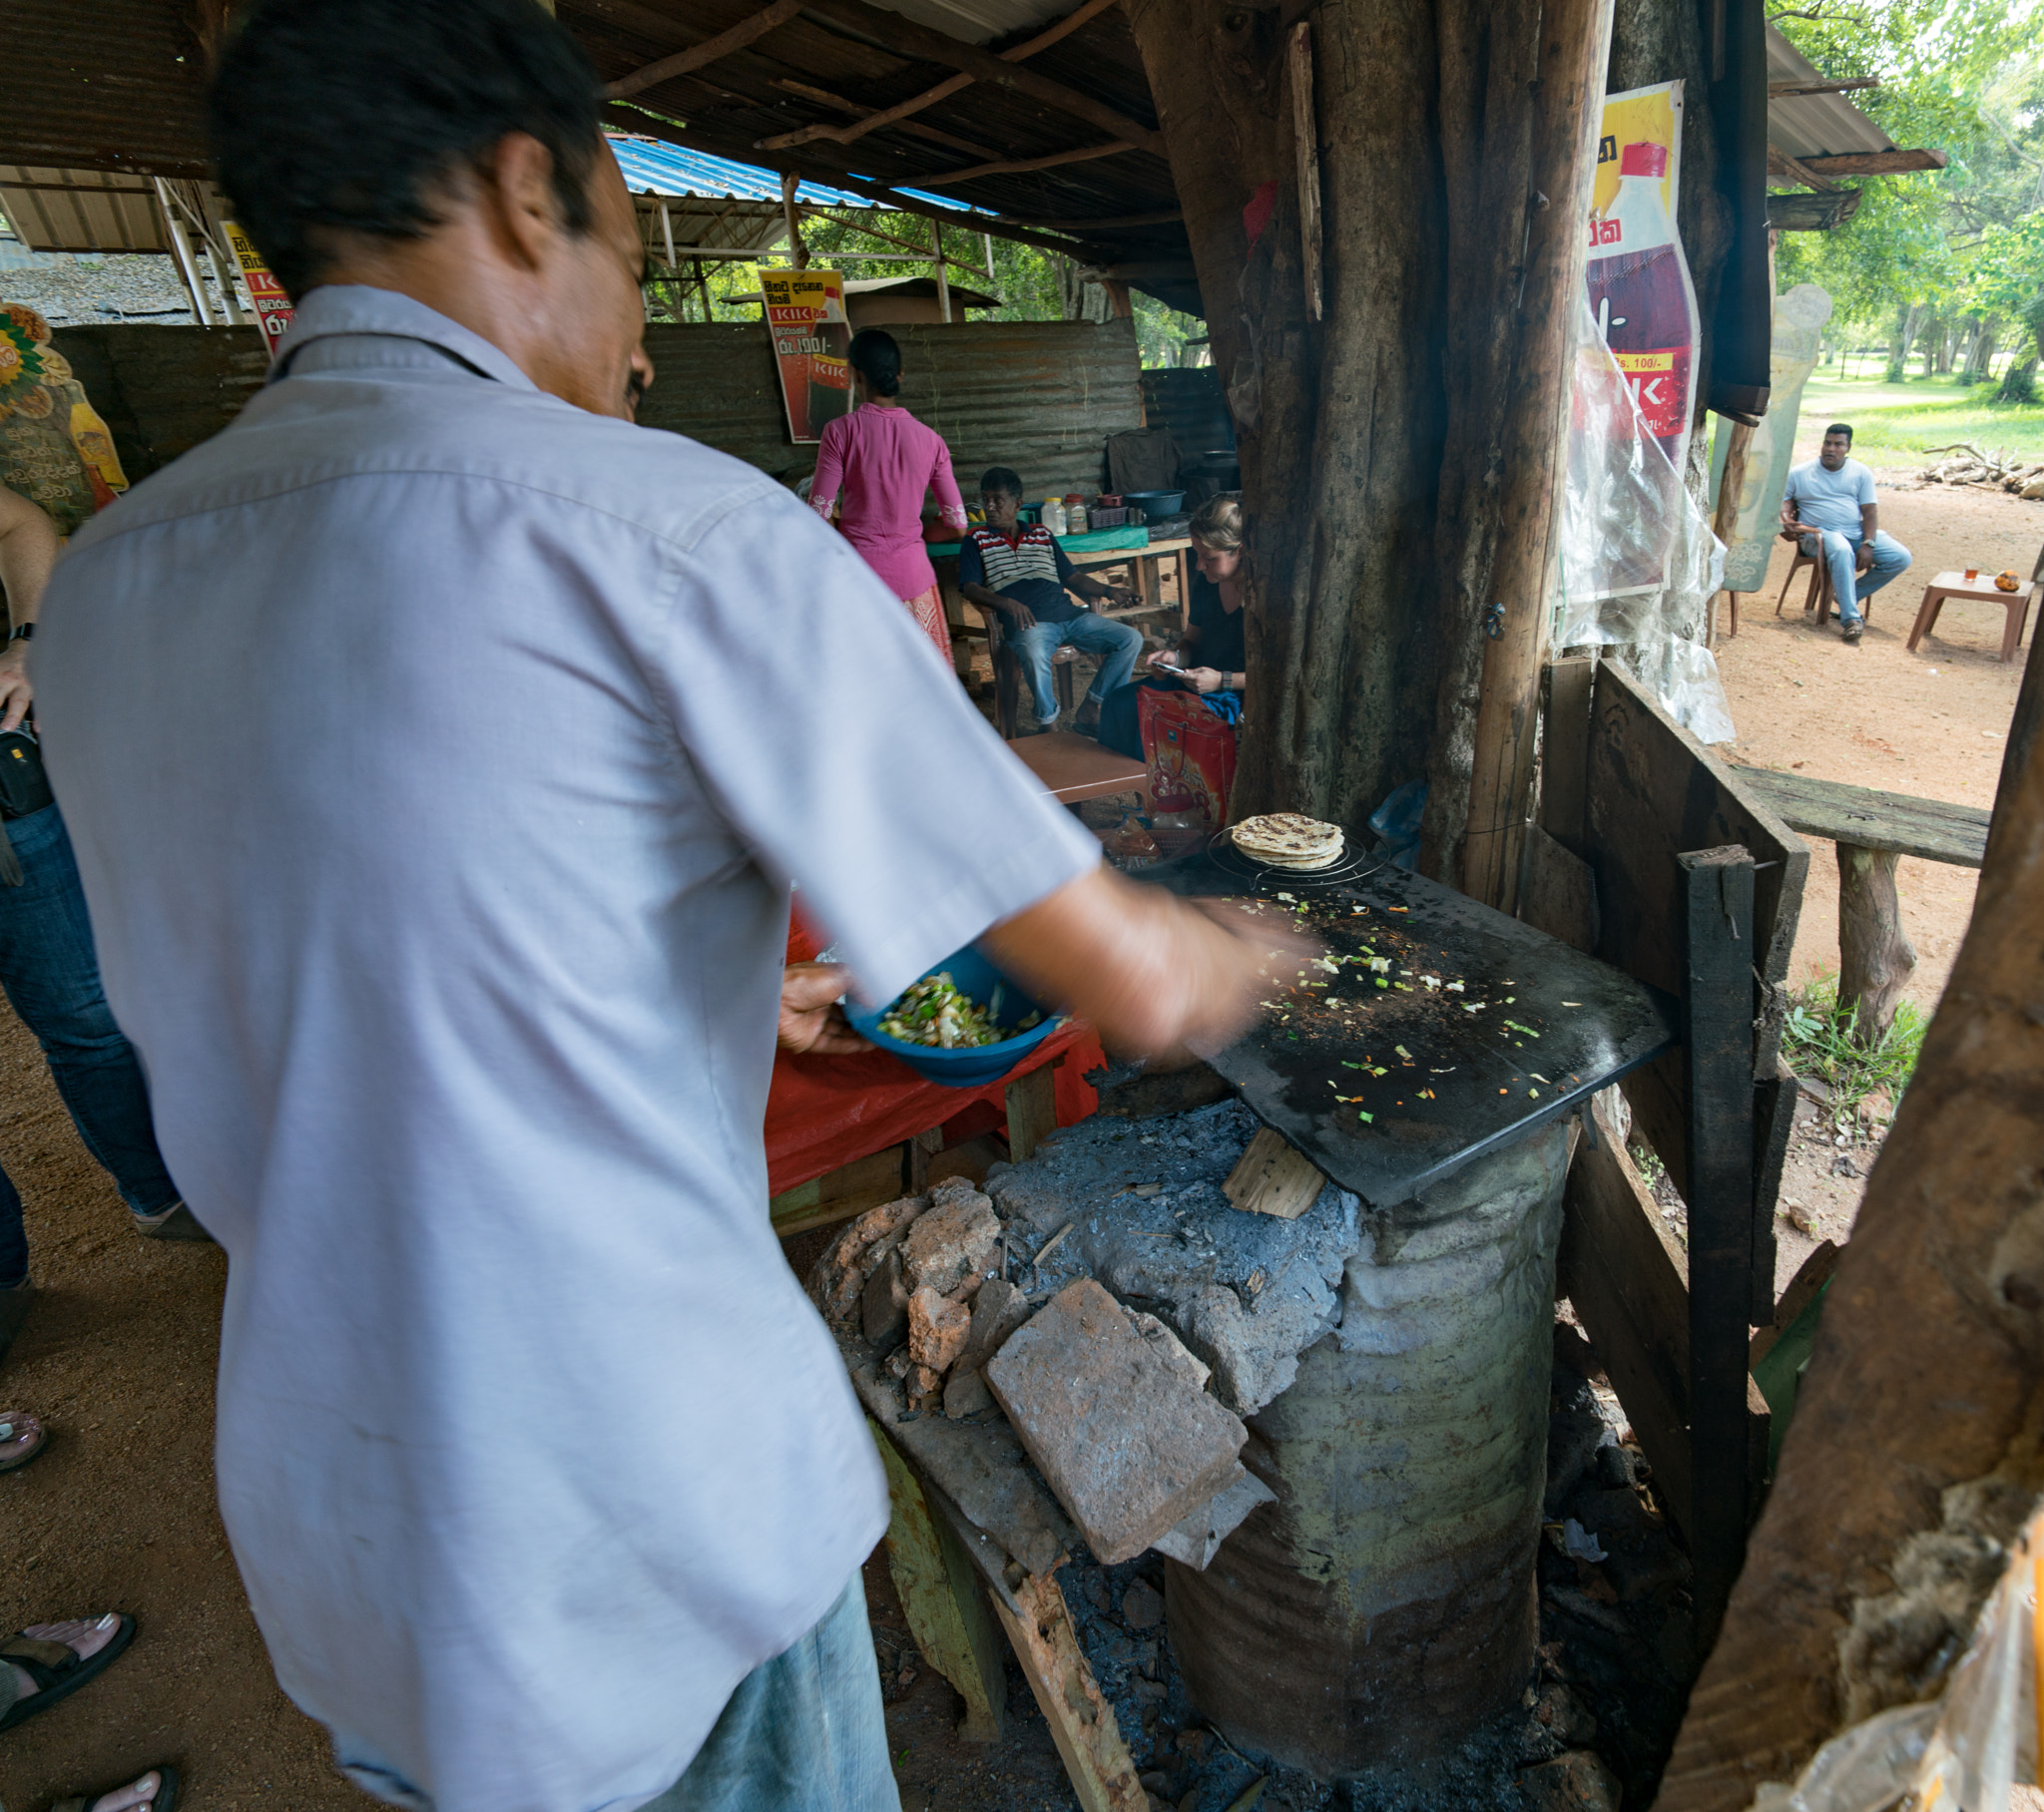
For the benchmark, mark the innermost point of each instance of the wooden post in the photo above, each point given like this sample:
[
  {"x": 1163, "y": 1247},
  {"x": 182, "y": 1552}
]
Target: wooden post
[
  {"x": 1731, "y": 488},
  {"x": 1032, "y": 1110},
  {"x": 797, "y": 253},
  {"x": 1081, "y": 1722},
  {"x": 943, "y": 280},
  {"x": 1717, "y": 1016},
  {"x": 942, "y": 1600},
  {"x": 1875, "y": 957},
  {"x": 1920, "y": 1404},
  {"x": 1481, "y": 847}
]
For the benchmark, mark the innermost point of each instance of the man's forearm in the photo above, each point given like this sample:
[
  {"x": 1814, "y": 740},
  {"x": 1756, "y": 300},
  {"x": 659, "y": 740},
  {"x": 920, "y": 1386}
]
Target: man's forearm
[
  {"x": 987, "y": 600},
  {"x": 29, "y": 544},
  {"x": 1151, "y": 971}
]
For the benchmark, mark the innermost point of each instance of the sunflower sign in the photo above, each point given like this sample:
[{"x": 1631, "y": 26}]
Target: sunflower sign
[{"x": 54, "y": 448}]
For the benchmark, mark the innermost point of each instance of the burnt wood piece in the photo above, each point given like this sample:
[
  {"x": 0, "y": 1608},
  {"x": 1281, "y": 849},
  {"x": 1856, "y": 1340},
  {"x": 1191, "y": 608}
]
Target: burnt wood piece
[
  {"x": 1774, "y": 1119},
  {"x": 1870, "y": 819},
  {"x": 1718, "y": 890},
  {"x": 1655, "y": 791}
]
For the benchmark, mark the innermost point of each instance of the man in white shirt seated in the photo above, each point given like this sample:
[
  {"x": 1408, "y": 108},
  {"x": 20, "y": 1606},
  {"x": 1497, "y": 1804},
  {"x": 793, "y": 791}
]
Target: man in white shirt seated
[{"x": 1832, "y": 497}]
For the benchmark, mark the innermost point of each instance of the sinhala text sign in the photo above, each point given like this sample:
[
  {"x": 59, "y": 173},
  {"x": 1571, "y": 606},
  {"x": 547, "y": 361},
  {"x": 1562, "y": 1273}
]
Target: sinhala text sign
[{"x": 812, "y": 338}]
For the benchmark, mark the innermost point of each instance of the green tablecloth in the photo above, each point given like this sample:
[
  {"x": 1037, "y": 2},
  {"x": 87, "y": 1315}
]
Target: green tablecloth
[{"x": 1097, "y": 540}]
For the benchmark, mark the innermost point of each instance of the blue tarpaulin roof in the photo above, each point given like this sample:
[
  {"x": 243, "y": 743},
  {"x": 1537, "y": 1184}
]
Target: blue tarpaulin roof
[{"x": 652, "y": 165}]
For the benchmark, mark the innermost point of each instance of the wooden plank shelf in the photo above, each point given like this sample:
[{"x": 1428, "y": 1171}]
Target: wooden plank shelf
[{"x": 1931, "y": 829}]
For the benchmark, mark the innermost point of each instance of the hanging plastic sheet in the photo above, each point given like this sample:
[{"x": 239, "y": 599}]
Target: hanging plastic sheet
[
  {"x": 1958, "y": 1753},
  {"x": 1638, "y": 564}
]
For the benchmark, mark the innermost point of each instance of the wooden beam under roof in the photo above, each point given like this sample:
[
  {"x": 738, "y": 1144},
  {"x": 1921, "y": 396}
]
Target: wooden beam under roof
[
  {"x": 845, "y": 135},
  {"x": 858, "y": 111},
  {"x": 1875, "y": 162},
  {"x": 1779, "y": 91},
  {"x": 684, "y": 62},
  {"x": 1084, "y": 154},
  {"x": 904, "y": 38},
  {"x": 1781, "y": 165}
]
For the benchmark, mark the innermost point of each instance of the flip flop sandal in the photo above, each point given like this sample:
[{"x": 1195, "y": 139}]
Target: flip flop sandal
[
  {"x": 22, "y": 1437},
  {"x": 56, "y": 1669},
  {"x": 165, "y": 1800}
]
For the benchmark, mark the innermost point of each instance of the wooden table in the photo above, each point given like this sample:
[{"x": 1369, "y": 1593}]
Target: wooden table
[
  {"x": 1872, "y": 830},
  {"x": 1072, "y": 767},
  {"x": 1981, "y": 590}
]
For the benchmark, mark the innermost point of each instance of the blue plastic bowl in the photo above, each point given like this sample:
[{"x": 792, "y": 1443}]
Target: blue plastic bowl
[
  {"x": 1156, "y": 504},
  {"x": 978, "y": 980}
]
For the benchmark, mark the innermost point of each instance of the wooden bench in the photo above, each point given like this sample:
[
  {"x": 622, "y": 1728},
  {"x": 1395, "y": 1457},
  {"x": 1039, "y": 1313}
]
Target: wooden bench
[{"x": 1872, "y": 830}]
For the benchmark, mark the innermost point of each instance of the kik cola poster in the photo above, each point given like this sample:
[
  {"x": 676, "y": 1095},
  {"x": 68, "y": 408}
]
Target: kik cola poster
[{"x": 811, "y": 340}]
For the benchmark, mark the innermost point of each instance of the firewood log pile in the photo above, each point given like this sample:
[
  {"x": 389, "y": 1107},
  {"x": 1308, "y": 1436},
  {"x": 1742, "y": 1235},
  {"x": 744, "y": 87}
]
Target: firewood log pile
[{"x": 1966, "y": 464}]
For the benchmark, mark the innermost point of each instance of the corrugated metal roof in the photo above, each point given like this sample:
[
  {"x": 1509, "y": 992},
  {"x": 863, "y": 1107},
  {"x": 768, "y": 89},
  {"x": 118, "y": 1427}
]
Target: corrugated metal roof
[
  {"x": 54, "y": 210},
  {"x": 978, "y": 21},
  {"x": 1814, "y": 126},
  {"x": 654, "y": 166},
  {"x": 114, "y": 85}
]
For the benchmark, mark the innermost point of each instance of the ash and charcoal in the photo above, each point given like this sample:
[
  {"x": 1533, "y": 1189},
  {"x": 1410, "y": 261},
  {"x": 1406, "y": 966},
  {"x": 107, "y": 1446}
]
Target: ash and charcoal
[{"x": 1143, "y": 1202}]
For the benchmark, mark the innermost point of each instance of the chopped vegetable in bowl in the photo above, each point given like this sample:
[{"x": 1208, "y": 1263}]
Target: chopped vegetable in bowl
[{"x": 934, "y": 1012}]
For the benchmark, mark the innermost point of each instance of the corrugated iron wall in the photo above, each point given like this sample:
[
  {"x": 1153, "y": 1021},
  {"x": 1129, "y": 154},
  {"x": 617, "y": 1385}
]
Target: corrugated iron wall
[
  {"x": 1189, "y": 401},
  {"x": 163, "y": 390},
  {"x": 1041, "y": 396},
  {"x": 109, "y": 85}
]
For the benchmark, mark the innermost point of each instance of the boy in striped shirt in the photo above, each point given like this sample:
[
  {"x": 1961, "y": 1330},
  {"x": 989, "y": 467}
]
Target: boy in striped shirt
[{"x": 1020, "y": 571}]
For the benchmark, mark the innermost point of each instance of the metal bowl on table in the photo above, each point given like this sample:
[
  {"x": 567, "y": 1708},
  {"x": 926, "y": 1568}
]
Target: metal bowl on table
[{"x": 970, "y": 1066}]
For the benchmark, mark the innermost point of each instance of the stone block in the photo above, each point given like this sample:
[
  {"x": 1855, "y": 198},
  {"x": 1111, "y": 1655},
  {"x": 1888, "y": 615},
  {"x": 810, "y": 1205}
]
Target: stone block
[
  {"x": 1127, "y": 1444},
  {"x": 1197, "y": 1538},
  {"x": 842, "y": 1274},
  {"x": 997, "y": 1311},
  {"x": 1173, "y": 1348},
  {"x": 1577, "y": 1782},
  {"x": 937, "y": 1328},
  {"x": 883, "y": 1306},
  {"x": 966, "y": 1394},
  {"x": 951, "y": 1241}
]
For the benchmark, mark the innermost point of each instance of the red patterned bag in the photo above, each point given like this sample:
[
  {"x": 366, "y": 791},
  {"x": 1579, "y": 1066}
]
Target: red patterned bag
[{"x": 1189, "y": 753}]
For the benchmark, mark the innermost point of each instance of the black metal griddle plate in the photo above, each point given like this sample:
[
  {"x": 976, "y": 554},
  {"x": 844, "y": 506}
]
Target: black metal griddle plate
[{"x": 1534, "y": 1028}]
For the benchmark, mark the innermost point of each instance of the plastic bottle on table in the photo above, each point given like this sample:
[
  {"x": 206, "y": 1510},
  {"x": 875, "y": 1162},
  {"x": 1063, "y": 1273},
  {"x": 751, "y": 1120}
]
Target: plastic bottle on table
[{"x": 1054, "y": 515}]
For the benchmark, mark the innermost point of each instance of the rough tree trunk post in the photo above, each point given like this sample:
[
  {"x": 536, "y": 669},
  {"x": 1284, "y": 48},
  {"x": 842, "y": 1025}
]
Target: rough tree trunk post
[
  {"x": 1916, "y": 1447},
  {"x": 1503, "y": 508},
  {"x": 1361, "y": 433},
  {"x": 1875, "y": 957}
]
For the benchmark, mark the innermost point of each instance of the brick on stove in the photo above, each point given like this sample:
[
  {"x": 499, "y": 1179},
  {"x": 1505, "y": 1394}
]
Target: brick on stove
[{"x": 1126, "y": 1441}]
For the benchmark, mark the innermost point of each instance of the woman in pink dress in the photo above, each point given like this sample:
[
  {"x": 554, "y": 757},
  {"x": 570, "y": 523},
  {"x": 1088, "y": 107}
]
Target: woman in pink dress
[{"x": 882, "y": 460}]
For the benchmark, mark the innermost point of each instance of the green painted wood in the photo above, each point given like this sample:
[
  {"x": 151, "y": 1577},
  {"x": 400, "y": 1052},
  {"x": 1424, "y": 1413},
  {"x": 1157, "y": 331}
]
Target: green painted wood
[{"x": 1860, "y": 815}]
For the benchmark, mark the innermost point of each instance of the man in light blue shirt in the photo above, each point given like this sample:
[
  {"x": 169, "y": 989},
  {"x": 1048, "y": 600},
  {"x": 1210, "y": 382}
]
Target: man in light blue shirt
[
  {"x": 439, "y": 748},
  {"x": 1833, "y": 498}
]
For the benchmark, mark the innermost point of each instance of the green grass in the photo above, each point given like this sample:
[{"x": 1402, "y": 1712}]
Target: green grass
[
  {"x": 1898, "y": 424},
  {"x": 1818, "y": 1042}
]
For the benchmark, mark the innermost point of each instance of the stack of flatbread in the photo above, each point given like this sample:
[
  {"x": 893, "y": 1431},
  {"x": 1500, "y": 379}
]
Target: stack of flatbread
[{"x": 1284, "y": 839}]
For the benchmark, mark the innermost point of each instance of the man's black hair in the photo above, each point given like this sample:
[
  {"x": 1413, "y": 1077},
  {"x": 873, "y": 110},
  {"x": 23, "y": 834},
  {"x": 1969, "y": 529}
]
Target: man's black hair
[
  {"x": 349, "y": 115},
  {"x": 1840, "y": 427},
  {"x": 1001, "y": 478}
]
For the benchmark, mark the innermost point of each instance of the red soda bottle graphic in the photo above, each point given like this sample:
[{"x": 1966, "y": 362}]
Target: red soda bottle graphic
[{"x": 1640, "y": 295}]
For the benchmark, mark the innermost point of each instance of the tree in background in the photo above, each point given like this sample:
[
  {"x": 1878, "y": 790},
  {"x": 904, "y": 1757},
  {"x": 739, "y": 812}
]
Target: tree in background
[
  {"x": 1967, "y": 79},
  {"x": 1033, "y": 285}
]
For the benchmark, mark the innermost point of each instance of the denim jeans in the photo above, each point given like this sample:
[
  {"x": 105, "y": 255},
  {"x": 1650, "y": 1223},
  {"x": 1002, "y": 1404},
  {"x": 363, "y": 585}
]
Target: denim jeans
[
  {"x": 52, "y": 977},
  {"x": 1117, "y": 645},
  {"x": 1842, "y": 553},
  {"x": 803, "y": 1732}
]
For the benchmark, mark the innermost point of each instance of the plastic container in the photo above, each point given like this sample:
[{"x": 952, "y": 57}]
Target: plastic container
[
  {"x": 1111, "y": 518},
  {"x": 1076, "y": 520},
  {"x": 1153, "y": 504},
  {"x": 985, "y": 986},
  {"x": 1053, "y": 516}
]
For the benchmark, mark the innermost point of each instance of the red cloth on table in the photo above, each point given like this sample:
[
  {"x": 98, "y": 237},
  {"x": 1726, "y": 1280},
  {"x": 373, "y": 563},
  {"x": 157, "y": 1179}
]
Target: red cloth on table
[{"x": 825, "y": 1111}]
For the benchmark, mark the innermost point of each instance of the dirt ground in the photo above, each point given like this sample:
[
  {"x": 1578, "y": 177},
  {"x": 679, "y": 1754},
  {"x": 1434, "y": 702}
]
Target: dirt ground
[{"x": 119, "y": 1353}]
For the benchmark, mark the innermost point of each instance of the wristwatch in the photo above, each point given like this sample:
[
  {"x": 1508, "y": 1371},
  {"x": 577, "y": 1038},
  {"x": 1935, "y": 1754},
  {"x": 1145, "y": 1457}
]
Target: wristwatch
[{"x": 21, "y": 632}]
